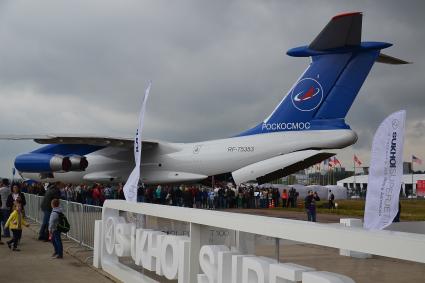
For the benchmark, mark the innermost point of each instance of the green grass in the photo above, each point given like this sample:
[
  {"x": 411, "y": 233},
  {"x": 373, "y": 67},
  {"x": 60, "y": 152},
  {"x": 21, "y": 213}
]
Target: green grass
[{"x": 411, "y": 210}]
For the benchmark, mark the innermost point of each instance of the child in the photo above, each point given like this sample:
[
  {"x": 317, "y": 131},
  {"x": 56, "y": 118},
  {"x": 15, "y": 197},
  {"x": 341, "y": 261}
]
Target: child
[
  {"x": 14, "y": 223},
  {"x": 55, "y": 234}
]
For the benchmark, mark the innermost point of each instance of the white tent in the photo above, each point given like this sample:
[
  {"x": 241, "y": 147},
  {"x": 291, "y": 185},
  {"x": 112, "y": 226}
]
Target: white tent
[{"x": 323, "y": 191}]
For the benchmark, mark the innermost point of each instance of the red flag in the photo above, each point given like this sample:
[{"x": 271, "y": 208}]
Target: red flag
[
  {"x": 357, "y": 160},
  {"x": 336, "y": 161}
]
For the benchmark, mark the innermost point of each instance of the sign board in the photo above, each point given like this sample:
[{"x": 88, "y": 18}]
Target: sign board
[{"x": 160, "y": 255}]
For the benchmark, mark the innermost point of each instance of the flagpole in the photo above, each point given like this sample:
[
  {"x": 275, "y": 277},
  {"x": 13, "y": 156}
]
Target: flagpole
[
  {"x": 329, "y": 173},
  {"x": 326, "y": 181},
  {"x": 354, "y": 175},
  {"x": 308, "y": 176},
  {"x": 412, "y": 173},
  {"x": 320, "y": 173}
]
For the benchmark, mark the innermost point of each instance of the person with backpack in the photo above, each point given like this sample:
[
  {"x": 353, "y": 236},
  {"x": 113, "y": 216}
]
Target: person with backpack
[{"x": 56, "y": 223}]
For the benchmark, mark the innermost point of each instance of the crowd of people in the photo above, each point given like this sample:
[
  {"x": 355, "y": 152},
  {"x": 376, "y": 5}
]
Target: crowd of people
[{"x": 220, "y": 197}]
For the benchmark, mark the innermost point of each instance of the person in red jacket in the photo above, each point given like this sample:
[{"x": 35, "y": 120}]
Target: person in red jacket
[
  {"x": 284, "y": 197},
  {"x": 97, "y": 195}
]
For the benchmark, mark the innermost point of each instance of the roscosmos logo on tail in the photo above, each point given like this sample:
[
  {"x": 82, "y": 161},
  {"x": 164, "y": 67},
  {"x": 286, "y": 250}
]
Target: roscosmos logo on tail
[{"x": 307, "y": 94}]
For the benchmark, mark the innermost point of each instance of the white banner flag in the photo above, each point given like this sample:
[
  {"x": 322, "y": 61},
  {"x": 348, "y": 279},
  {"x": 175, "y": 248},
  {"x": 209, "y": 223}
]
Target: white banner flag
[
  {"x": 385, "y": 172},
  {"x": 130, "y": 187}
]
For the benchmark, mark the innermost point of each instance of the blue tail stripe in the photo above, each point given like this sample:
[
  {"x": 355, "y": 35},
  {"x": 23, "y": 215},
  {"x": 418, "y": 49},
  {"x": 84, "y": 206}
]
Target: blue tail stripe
[{"x": 348, "y": 85}]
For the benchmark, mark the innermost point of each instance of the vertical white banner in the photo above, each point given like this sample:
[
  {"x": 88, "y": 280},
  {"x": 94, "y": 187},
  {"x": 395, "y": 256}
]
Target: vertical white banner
[
  {"x": 385, "y": 172},
  {"x": 130, "y": 187}
]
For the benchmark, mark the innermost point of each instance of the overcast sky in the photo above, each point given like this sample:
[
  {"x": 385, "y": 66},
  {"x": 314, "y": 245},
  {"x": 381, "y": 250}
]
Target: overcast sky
[{"x": 218, "y": 67}]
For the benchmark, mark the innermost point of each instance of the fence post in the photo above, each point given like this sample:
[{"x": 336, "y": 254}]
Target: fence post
[
  {"x": 81, "y": 214},
  {"x": 195, "y": 247}
]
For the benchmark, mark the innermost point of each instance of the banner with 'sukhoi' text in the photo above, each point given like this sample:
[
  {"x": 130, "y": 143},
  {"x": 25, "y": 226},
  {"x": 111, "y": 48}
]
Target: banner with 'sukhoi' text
[
  {"x": 385, "y": 172},
  {"x": 130, "y": 187}
]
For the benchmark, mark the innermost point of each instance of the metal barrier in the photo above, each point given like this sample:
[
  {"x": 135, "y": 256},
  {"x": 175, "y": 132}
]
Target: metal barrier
[
  {"x": 74, "y": 213},
  {"x": 81, "y": 218},
  {"x": 31, "y": 207},
  {"x": 91, "y": 213}
]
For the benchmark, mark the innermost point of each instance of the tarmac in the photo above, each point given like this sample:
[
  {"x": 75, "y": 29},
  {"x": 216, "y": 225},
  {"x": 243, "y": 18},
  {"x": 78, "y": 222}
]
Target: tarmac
[{"x": 34, "y": 263}]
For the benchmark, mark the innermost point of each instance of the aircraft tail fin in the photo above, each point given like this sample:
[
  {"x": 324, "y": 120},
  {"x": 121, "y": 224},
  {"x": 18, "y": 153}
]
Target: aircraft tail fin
[
  {"x": 322, "y": 96},
  {"x": 343, "y": 30}
]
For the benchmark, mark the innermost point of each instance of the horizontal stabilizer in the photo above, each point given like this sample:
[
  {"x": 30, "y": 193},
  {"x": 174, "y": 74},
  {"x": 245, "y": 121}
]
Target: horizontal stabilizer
[
  {"x": 386, "y": 59},
  {"x": 343, "y": 30},
  {"x": 279, "y": 166}
]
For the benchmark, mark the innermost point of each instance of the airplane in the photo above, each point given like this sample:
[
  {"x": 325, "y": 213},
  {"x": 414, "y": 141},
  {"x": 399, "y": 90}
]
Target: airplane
[{"x": 300, "y": 131}]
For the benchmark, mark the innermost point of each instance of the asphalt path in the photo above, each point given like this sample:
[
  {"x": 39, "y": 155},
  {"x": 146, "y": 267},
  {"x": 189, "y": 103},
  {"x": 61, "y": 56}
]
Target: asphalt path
[{"x": 35, "y": 264}]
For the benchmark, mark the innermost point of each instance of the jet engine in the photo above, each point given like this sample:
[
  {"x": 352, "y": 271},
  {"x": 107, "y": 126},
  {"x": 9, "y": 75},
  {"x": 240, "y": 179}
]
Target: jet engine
[
  {"x": 40, "y": 162},
  {"x": 78, "y": 163}
]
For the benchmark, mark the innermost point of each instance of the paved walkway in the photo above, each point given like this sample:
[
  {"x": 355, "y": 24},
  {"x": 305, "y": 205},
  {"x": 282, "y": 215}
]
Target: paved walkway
[{"x": 34, "y": 263}]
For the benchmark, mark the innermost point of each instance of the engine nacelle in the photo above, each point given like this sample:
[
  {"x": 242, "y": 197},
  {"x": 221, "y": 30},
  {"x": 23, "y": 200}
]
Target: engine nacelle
[
  {"x": 40, "y": 163},
  {"x": 78, "y": 163}
]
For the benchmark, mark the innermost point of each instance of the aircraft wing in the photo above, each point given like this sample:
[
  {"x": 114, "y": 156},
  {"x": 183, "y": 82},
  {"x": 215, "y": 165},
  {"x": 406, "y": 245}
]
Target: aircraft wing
[
  {"x": 279, "y": 166},
  {"x": 106, "y": 141}
]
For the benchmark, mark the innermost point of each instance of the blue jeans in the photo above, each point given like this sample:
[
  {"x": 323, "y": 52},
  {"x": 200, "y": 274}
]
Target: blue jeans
[
  {"x": 5, "y": 215},
  {"x": 57, "y": 243},
  {"x": 44, "y": 233},
  {"x": 311, "y": 215}
]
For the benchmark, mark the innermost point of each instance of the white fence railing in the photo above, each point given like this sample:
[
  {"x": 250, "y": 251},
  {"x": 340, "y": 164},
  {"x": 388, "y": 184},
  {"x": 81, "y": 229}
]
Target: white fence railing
[
  {"x": 81, "y": 218},
  {"x": 128, "y": 228},
  {"x": 400, "y": 245}
]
